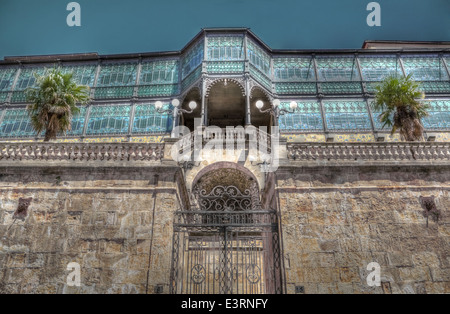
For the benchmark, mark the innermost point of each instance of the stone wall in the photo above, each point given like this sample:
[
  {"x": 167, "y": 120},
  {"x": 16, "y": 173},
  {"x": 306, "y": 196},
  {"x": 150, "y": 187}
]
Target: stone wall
[
  {"x": 115, "y": 222},
  {"x": 336, "y": 219}
]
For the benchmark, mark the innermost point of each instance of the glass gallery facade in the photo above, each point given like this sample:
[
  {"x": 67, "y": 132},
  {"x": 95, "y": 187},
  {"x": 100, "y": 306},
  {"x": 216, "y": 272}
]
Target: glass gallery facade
[{"x": 226, "y": 71}]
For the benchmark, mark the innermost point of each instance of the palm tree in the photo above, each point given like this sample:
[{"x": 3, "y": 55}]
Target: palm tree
[
  {"x": 399, "y": 101},
  {"x": 54, "y": 100}
]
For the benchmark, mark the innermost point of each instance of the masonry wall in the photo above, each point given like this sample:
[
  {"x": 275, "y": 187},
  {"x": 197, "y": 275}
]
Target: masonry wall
[
  {"x": 338, "y": 219},
  {"x": 115, "y": 222}
]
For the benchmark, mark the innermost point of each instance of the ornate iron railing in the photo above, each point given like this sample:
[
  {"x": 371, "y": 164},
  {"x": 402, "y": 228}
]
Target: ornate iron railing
[
  {"x": 402, "y": 151},
  {"x": 81, "y": 151}
]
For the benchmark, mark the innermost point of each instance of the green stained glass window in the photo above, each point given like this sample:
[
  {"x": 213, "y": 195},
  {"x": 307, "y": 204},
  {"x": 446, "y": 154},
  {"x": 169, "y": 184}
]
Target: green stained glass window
[
  {"x": 260, "y": 77},
  {"x": 82, "y": 74},
  {"x": 307, "y": 117},
  {"x": 258, "y": 58},
  {"x": 225, "y": 67},
  {"x": 439, "y": 115},
  {"x": 112, "y": 119},
  {"x": 332, "y": 69},
  {"x": 376, "y": 118},
  {"x": 7, "y": 76},
  {"x": 78, "y": 122},
  {"x": 116, "y": 81},
  {"x": 225, "y": 48},
  {"x": 192, "y": 59},
  {"x": 425, "y": 68},
  {"x": 123, "y": 74},
  {"x": 300, "y": 69},
  {"x": 191, "y": 78},
  {"x": 347, "y": 115},
  {"x": 159, "y": 72},
  {"x": 26, "y": 79},
  {"x": 291, "y": 88},
  {"x": 16, "y": 123},
  {"x": 148, "y": 120},
  {"x": 377, "y": 68}
]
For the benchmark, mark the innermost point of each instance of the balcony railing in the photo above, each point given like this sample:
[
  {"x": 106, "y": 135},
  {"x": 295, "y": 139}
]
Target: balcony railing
[
  {"x": 81, "y": 151},
  {"x": 404, "y": 151}
]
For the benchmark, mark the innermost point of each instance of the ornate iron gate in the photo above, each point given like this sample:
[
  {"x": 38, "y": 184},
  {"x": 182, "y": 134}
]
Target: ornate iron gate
[{"x": 228, "y": 245}]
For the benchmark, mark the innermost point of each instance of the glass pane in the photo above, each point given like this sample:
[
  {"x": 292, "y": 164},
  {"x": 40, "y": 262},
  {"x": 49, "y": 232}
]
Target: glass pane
[
  {"x": 377, "y": 68},
  {"x": 192, "y": 59},
  {"x": 347, "y": 115},
  {"x": 148, "y": 120},
  {"x": 225, "y": 48},
  {"x": 78, "y": 122},
  {"x": 425, "y": 68},
  {"x": 117, "y": 75},
  {"x": 27, "y": 79},
  {"x": 159, "y": 72},
  {"x": 258, "y": 57},
  {"x": 16, "y": 123},
  {"x": 294, "y": 69},
  {"x": 307, "y": 117},
  {"x": 7, "y": 76},
  {"x": 337, "y": 69},
  {"x": 439, "y": 117},
  {"x": 109, "y": 119},
  {"x": 82, "y": 74}
]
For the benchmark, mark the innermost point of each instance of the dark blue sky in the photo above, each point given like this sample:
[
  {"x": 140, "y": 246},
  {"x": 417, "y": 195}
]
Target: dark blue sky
[{"x": 34, "y": 27}]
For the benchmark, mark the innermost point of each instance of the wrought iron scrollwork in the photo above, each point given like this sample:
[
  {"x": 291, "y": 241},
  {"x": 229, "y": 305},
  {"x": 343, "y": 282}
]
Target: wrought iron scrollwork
[{"x": 227, "y": 198}]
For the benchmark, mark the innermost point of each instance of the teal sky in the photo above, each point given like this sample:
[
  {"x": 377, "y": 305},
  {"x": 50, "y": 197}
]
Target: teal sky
[{"x": 35, "y": 27}]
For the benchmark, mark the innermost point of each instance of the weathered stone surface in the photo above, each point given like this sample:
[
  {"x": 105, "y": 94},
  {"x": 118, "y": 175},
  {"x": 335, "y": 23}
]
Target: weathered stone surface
[
  {"x": 91, "y": 220},
  {"x": 341, "y": 219}
]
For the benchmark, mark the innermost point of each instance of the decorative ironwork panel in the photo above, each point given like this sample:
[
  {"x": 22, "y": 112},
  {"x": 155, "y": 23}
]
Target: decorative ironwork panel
[
  {"x": 192, "y": 59},
  {"x": 435, "y": 87},
  {"x": 109, "y": 119},
  {"x": 307, "y": 117},
  {"x": 258, "y": 58},
  {"x": 292, "y": 88},
  {"x": 429, "y": 68},
  {"x": 377, "y": 68},
  {"x": 299, "y": 69},
  {"x": 228, "y": 258},
  {"x": 82, "y": 74},
  {"x": 225, "y": 48},
  {"x": 158, "y": 90},
  {"x": 148, "y": 120},
  {"x": 114, "y": 92},
  {"x": 16, "y": 123},
  {"x": 337, "y": 69},
  {"x": 78, "y": 122},
  {"x": 347, "y": 115},
  {"x": 341, "y": 87},
  {"x": 225, "y": 67},
  {"x": 224, "y": 198},
  {"x": 439, "y": 115}
]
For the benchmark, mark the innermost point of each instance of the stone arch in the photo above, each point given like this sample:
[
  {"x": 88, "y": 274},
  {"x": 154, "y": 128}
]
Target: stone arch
[
  {"x": 225, "y": 81},
  {"x": 258, "y": 89}
]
